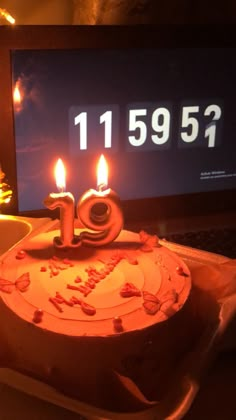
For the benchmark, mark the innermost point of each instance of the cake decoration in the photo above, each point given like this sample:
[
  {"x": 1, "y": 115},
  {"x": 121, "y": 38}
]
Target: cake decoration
[
  {"x": 118, "y": 324},
  {"x": 58, "y": 299},
  {"x": 38, "y": 316},
  {"x": 171, "y": 294},
  {"x": 159, "y": 261},
  {"x": 22, "y": 284},
  {"x": 75, "y": 300},
  {"x": 6, "y": 286},
  {"x": 58, "y": 264},
  {"x": 20, "y": 254},
  {"x": 169, "y": 299},
  {"x": 55, "y": 303},
  {"x": 132, "y": 260},
  {"x": 148, "y": 242},
  {"x": 180, "y": 271},
  {"x": 88, "y": 309},
  {"x": 151, "y": 303},
  {"x": 129, "y": 290},
  {"x": 81, "y": 288}
]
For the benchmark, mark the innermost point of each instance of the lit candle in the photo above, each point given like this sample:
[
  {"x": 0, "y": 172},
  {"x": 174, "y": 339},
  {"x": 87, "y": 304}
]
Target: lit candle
[
  {"x": 100, "y": 211},
  {"x": 65, "y": 201}
]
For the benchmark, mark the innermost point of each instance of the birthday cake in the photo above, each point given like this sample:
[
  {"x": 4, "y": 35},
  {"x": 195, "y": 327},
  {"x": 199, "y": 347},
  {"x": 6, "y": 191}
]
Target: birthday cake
[{"x": 77, "y": 318}]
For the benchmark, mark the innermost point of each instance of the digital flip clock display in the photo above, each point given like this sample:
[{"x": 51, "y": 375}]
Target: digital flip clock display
[{"x": 149, "y": 126}]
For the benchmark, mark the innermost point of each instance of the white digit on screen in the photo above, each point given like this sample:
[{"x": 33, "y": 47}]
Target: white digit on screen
[
  {"x": 163, "y": 128},
  {"x": 188, "y": 121},
  {"x": 210, "y": 131},
  {"x": 106, "y": 118},
  {"x": 134, "y": 124},
  {"x": 81, "y": 119}
]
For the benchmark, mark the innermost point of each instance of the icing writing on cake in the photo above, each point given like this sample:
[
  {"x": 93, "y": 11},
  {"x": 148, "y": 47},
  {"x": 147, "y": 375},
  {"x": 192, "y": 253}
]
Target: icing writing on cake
[{"x": 59, "y": 299}]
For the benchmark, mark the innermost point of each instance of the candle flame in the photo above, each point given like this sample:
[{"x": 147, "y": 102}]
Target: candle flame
[
  {"x": 102, "y": 173},
  {"x": 60, "y": 175}
]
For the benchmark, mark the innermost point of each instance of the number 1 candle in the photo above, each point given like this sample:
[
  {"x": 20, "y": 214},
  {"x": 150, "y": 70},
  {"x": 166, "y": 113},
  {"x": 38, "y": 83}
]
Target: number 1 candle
[
  {"x": 65, "y": 201},
  {"x": 100, "y": 211}
]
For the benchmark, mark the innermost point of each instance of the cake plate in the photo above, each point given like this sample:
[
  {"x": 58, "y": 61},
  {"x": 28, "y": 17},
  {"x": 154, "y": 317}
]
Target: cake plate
[{"x": 213, "y": 278}]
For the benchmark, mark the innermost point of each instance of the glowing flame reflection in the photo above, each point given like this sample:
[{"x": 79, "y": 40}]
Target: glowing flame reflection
[
  {"x": 16, "y": 95},
  {"x": 6, "y": 15}
]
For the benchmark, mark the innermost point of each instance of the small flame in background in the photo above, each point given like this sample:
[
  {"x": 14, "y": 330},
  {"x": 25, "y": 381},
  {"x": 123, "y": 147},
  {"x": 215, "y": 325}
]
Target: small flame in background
[
  {"x": 18, "y": 96},
  {"x": 6, "y": 15},
  {"x": 102, "y": 173},
  {"x": 5, "y": 190},
  {"x": 60, "y": 175},
  {"x": 27, "y": 90}
]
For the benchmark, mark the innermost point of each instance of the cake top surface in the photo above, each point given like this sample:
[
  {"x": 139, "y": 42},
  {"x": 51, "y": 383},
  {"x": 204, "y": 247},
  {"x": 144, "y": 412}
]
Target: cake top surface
[{"x": 129, "y": 285}]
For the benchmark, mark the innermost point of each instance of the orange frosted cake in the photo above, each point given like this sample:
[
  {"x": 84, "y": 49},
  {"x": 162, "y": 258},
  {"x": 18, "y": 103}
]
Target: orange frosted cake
[{"x": 74, "y": 317}]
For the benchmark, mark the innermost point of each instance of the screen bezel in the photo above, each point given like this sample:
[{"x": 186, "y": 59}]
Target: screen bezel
[{"x": 115, "y": 37}]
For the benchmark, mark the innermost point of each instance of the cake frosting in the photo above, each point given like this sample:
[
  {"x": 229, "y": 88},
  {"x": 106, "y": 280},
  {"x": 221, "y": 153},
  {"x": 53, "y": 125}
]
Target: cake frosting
[{"x": 74, "y": 317}]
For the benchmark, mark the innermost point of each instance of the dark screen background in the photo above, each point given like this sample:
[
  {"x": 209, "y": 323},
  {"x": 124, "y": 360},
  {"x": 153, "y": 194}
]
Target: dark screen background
[{"x": 52, "y": 82}]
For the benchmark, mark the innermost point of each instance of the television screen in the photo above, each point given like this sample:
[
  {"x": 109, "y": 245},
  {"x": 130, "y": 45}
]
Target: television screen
[{"x": 163, "y": 116}]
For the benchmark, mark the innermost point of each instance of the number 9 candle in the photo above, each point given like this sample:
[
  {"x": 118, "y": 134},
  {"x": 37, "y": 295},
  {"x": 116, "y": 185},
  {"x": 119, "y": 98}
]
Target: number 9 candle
[{"x": 100, "y": 211}]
